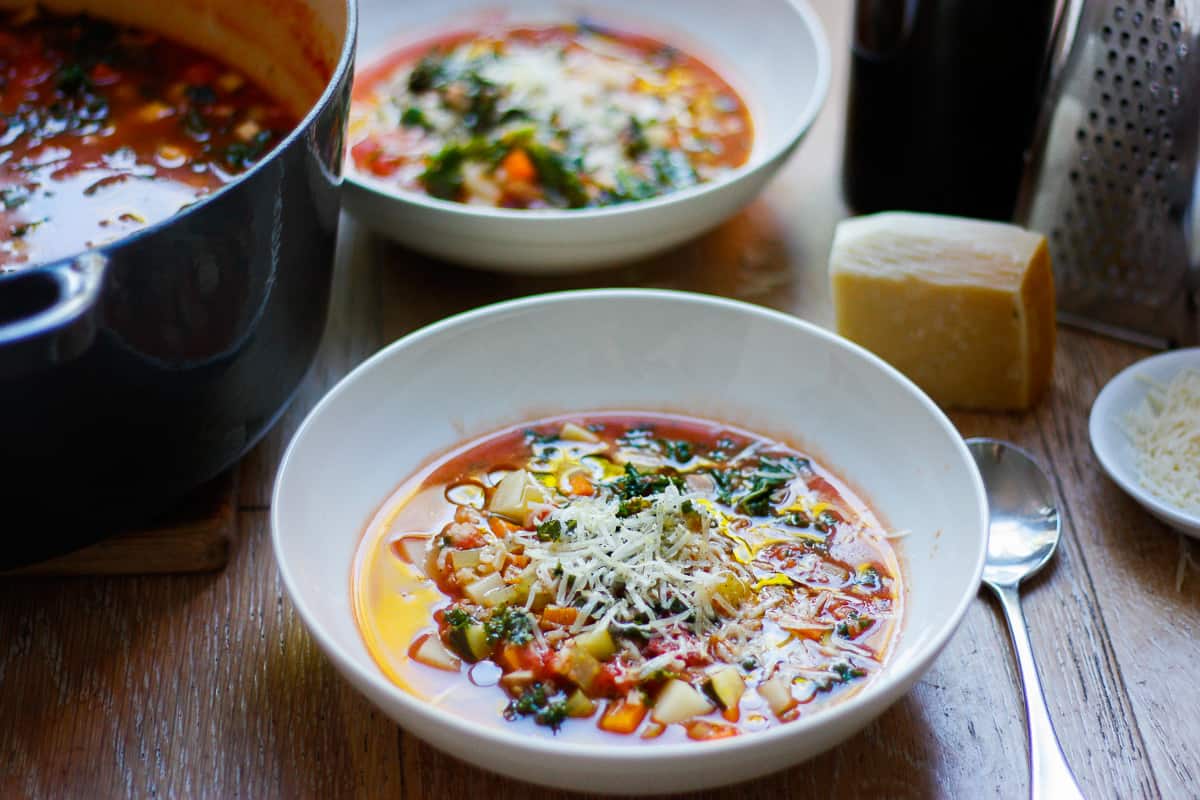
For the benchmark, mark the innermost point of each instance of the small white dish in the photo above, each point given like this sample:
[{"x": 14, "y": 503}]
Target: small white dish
[
  {"x": 1111, "y": 444},
  {"x": 773, "y": 52},
  {"x": 638, "y": 350}
]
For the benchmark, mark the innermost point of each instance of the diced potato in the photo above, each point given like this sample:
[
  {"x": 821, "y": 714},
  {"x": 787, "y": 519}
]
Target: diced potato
[
  {"x": 580, "y": 705},
  {"x": 499, "y": 597},
  {"x": 515, "y": 681},
  {"x": 430, "y": 651},
  {"x": 470, "y": 642},
  {"x": 725, "y": 687},
  {"x": 412, "y": 549},
  {"x": 462, "y": 559},
  {"x": 478, "y": 590},
  {"x": 679, "y": 701},
  {"x": 778, "y": 693},
  {"x": 623, "y": 716},
  {"x": 575, "y": 433},
  {"x": 514, "y": 495},
  {"x": 581, "y": 668},
  {"x": 598, "y": 642}
]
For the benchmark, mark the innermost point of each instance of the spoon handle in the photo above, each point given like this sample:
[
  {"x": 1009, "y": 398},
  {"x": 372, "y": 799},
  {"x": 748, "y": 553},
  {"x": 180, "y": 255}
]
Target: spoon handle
[{"x": 1051, "y": 777}]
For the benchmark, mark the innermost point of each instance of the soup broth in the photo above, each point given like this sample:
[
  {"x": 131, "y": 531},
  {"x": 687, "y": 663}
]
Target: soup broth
[{"x": 627, "y": 577}]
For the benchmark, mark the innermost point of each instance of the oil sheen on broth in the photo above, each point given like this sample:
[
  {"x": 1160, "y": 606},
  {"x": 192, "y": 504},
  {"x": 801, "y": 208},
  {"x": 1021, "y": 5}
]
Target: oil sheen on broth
[{"x": 628, "y": 577}]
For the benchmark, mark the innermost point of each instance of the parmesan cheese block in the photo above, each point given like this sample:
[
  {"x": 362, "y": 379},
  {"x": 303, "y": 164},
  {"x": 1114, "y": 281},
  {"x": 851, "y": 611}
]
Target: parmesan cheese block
[{"x": 963, "y": 307}]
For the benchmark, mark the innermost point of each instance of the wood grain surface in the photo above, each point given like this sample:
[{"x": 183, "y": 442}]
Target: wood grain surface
[{"x": 208, "y": 686}]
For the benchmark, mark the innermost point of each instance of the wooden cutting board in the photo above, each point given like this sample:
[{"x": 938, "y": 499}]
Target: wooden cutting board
[{"x": 196, "y": 537}]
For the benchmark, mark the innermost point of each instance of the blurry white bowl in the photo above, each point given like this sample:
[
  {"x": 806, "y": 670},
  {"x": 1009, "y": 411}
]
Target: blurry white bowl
[
  {"x": 773, "y": 52},
  {"x": 639, "y": 350},
  {"x": 1113, "y": 447}
]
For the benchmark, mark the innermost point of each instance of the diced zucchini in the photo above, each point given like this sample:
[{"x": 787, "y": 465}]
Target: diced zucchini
[
  {"x": 580, "y": 705},
  {"x": 514, "y": 495},
  {"x": 778, "y": 693},
  {"x": 462, "y": 559},
  {"x": 430, "y": 651},
  {"x": 598, "y": 642},
  {"x": 581, "y": 668},
  {"x": 470, "y": 642},
  {"x": 678, "y": 702},
  {"x": 574, "y": 433},
  {"x": 478, "y": 590},
  {"x": 725, "y": 687}
]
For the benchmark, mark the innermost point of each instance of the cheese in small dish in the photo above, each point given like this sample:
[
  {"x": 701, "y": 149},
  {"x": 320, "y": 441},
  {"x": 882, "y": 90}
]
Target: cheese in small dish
[{"x": 550, "y": 117}]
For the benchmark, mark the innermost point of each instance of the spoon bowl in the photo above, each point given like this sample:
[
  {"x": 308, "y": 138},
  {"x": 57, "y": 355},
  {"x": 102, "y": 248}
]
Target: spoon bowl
[
  {"x": 1023, "y": 532},
  {"x": 1025, "y": 524}
]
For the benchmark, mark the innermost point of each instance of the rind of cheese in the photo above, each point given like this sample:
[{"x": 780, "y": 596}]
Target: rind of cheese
[{"x": 965, "y": 308}]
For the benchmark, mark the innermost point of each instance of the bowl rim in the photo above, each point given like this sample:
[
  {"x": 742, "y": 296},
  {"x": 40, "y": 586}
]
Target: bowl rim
[
  {"x": 380, "y": 190},
  {"x": 1103, "y": 427},
  {"x": 884, "y": 688}
]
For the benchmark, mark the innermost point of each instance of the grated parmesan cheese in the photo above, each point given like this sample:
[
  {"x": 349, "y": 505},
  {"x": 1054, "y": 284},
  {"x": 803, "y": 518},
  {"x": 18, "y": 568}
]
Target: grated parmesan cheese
[
  {"x": 620, "y": 569},
  {"x": 1165, "y": 432}
]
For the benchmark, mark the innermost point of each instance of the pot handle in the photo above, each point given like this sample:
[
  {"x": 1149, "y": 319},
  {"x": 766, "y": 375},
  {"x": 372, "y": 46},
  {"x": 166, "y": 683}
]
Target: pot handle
[{"x": 46, "y": 314}]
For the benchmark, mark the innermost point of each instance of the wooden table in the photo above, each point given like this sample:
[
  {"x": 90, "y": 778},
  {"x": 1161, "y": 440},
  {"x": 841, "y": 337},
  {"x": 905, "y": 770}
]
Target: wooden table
[{"x": 209, "y": 686}]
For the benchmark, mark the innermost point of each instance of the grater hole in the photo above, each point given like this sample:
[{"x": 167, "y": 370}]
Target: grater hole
[
  {"x": 1156, "y": 24},
  {"x": 1167, "y": 137},
  {"x": 1162, "y": 48},
  {"x": 1124, "y": 104},
  {"x": 1106, "y": 33},
  {"x": 1081, "y": 135},
  {"x": 1124, "y": 38},
  {"x": 1144, "y": 43},
  {"x": 1112, "y": 57},
  {"x": 1137, "y": 18},
  {"x": 1118, "y": 79},
  {"x": 1130, "y": 128},
  {"x": 1100, "y": 76},
  {"x": 1181, "y": 50},
  {"x": 1099, "y": 140},
  {"x": 1105, "y": 98},
  {"x": 1093, "y": 116},
  {"x": 1112, "y": 122},
  {"x": 1135, "y": 85},
  {"x": 1169, "y": 72},
  {"x": 1176, "y": 28},
  {"x": 1119, "y": 13}
]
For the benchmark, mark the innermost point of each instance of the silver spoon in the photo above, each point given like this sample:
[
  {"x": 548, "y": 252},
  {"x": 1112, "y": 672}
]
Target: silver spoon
[{"x": 1022, "y": 537}]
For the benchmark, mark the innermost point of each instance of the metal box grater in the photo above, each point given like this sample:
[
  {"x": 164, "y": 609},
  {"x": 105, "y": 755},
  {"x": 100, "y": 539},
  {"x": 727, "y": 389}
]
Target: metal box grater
[{"x": 1112, "y": 178}]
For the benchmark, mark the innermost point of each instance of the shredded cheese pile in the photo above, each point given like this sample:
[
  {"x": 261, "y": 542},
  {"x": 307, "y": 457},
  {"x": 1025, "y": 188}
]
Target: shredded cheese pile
[
  {"x": 617, "y": 569},
  {"x": 1165, "y": 432}
]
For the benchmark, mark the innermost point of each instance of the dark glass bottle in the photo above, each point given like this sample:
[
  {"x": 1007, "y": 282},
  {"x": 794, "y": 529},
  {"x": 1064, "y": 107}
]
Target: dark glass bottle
[{"x": 944, "y": 95}]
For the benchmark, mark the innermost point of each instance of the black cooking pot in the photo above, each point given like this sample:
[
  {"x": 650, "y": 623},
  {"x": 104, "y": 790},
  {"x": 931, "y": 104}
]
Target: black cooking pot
[{"x": 131, "y": 374}]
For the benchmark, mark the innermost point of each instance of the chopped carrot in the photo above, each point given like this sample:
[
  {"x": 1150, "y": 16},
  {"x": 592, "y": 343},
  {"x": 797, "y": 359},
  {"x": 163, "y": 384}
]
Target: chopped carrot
[
  {"x": 623, "y": 716},
  {"x": 520, "y": 559},
  {"x": 510, "y": 658},
  {"x": 518, "y": 166},
  {"x": 501, "y": 527},
  {"x": 580, "y": 485},
  {"x": 560, "y": 615}
]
